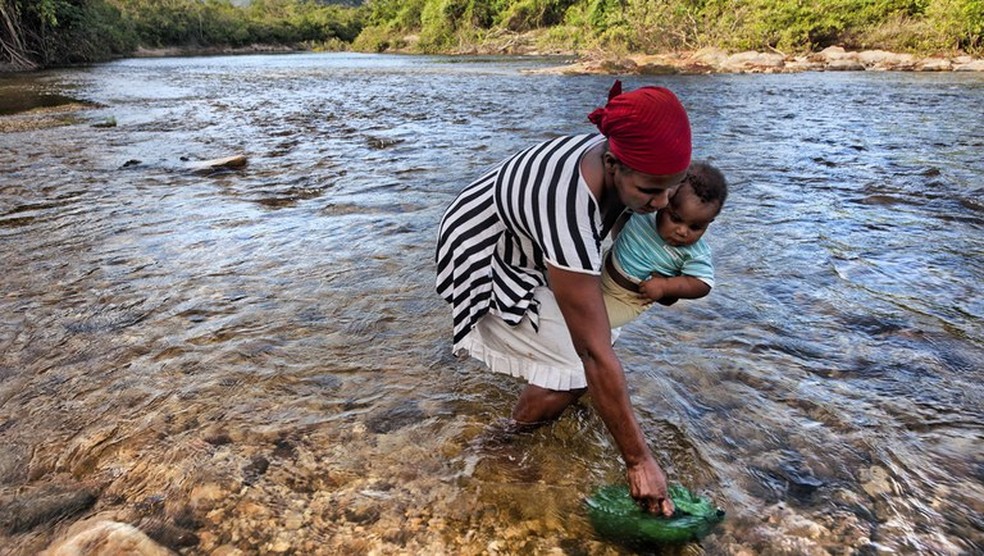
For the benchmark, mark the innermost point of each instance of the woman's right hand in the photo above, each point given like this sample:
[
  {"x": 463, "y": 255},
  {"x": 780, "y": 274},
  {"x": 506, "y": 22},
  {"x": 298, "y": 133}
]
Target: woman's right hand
[{"x": 647, "y": 485}]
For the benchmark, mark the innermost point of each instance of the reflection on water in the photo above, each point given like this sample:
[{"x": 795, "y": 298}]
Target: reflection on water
[{"x": 257, "y": 360}]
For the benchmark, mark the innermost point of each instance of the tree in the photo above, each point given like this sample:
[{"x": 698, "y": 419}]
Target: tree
[{"x": 39, "y": 33}]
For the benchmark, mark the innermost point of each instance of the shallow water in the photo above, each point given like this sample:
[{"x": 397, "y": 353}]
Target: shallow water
[{"x": 258, "y": 357}]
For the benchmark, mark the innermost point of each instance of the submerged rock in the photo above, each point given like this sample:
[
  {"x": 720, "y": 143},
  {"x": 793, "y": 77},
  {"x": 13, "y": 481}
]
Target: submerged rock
[
  {"x": 42, "y": 505},
  {"x": 219, "y": 164},
  {"x": 395, "y": 418},
  {"x": 105, "y": 538},
  {"x": 14, "y": 461},
  {"x": 108, "y": 122},
  {"x": 168, "y": 534}
]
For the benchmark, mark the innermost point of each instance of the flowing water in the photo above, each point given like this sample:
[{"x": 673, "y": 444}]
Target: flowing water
[{"x": 257, "y": 359}]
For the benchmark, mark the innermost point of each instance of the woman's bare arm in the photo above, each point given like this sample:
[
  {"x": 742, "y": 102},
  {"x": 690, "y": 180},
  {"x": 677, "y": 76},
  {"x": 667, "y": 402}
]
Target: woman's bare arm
[{"x": 580, "y": 300}]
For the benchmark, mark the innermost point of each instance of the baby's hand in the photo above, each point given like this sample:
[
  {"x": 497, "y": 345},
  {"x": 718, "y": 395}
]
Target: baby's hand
[{"x": 653, "y": 287}]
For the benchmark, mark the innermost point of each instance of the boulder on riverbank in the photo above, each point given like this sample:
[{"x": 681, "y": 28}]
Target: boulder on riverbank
[{"x": 716, "y": 60}]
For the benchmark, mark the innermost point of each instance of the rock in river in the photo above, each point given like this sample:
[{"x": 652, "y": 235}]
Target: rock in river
[
  {"x": 98, "y": 537},
  {"x": 42, "y": 505}
]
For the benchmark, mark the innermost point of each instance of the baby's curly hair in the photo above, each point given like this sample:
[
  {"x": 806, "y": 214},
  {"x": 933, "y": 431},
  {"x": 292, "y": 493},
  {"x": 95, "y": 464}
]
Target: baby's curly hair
[{"x": 708, "y": 183}]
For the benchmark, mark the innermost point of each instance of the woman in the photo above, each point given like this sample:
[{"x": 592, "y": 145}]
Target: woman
[{"x": 519, "y": 259}]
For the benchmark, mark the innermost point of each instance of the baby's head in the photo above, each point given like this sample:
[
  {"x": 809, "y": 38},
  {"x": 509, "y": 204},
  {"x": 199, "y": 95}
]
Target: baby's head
[{"x": 694, "y": 206}]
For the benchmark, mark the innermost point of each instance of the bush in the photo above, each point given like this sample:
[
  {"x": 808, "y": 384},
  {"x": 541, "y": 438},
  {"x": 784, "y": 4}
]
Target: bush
[
  {"x": 526, "y": 15},
  {"x": 793, "y": 26},
  {"x": 447, "y": 24},
  {"x": 956, "y": 25},
  {"x": 377, "y": 38}
]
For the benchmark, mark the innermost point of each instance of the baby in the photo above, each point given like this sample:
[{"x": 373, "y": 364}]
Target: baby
[{"x": 661, "y": 256}]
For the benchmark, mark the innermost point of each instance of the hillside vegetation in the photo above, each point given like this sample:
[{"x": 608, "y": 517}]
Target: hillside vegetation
[
  {"x": 653, "y": 26},
  {"x": 41, "y": 33}
]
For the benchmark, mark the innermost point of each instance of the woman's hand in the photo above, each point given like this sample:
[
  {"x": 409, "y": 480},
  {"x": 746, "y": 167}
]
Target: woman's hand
[
  {"x": 647, "y": 485},
  {"x": 653, "y": 288}
]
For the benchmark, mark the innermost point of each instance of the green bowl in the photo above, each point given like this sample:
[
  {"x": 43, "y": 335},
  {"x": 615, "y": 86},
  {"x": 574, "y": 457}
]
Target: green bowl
[{"x": 616, "y": 515}]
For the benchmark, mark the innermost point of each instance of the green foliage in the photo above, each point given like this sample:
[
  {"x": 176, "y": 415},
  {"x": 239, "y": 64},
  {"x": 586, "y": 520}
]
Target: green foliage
[
  {"x": 377, "y": 38},
  {"x": 398, "y": 15},
  {"x": 98, "y": 33},
  {"x": 956, "y": 24},
  {"x": 661, "y": 25},
  {"x": 47, "y": 11},
  {"x": 46, "y": 32},
  {"x": 525, "y": 15},
  {"x": 655, "y": 25},
  {"x": 218, "y": 22},
  {"x": 448, "y": 24},
  {"x": 387, "y": 21}
]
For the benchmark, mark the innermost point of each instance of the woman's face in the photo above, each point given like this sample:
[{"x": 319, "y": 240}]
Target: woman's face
[{"x": 643, "y": 192}]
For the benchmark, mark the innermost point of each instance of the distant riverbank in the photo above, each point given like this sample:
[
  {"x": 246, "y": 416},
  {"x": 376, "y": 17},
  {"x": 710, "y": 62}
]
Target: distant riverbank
[
  {"x": 169, "y": 51},
  {"x": 715, "y": 60},
  {"x": 704, "y": 60}
]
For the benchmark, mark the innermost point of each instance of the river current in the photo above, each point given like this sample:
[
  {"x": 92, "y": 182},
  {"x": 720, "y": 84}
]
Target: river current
[{"x": 257, "y": 359}]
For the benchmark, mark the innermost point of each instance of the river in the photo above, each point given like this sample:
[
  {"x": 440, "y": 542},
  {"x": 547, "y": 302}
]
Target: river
[{"x": 256, "y": 360}]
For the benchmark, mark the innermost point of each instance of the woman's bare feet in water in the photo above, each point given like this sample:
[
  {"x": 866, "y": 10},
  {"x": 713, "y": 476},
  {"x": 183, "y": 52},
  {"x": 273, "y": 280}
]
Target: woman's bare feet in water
[
  {"x": 503, "y": 431},
  {"x": 498, "y": 453}
]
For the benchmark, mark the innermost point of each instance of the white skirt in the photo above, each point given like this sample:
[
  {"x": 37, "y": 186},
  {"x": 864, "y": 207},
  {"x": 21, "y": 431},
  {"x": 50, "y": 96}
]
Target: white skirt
[{"x": 544, "y": 357}]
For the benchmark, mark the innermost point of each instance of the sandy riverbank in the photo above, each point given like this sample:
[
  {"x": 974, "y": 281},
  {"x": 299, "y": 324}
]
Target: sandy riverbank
[{"x": 45, "y": 117}]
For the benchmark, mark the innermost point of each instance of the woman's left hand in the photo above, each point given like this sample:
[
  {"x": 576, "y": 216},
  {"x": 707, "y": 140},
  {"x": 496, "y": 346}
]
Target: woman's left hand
[{"x": 653, "y": 288}]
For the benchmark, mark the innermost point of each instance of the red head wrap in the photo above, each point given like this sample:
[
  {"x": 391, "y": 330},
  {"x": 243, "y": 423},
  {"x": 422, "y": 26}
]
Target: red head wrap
[{"x": 647, "y": 129}]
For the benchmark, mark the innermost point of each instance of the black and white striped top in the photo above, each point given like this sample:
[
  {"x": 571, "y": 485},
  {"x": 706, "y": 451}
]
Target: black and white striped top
[{"x": 498, "y": 234}]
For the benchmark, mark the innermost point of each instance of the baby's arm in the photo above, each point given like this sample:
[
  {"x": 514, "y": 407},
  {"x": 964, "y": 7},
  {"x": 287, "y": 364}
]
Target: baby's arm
[{"x": 659, "y": 287}]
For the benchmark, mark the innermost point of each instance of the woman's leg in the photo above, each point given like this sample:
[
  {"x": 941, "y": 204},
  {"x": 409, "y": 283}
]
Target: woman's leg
[{"x": 537, "y": 406}]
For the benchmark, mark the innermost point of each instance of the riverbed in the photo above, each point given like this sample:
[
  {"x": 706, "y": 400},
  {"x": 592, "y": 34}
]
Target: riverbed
[{"x": 255, "y": 360}]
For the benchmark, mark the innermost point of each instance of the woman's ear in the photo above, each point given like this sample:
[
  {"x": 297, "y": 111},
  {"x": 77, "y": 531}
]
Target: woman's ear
[{"x": 610, "y": 161}]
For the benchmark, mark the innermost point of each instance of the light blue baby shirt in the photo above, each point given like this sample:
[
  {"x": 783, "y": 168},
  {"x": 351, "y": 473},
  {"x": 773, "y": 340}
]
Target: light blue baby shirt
[{"x": 640, "y": 252}]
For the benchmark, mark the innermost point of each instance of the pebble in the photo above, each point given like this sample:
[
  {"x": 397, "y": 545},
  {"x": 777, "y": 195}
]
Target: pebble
[
  {"x": 280, "y": 546},
  {"x": 293, "y": 521},
  {"x": 205, "y": 496},
  {"x": 875, "y": 481}
]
